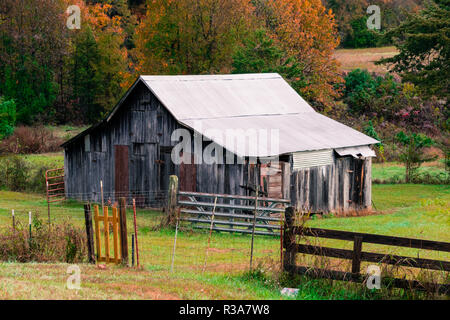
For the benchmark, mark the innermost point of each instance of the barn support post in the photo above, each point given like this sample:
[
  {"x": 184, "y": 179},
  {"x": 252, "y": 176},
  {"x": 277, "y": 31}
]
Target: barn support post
[
  {"x": 89, "y": 233},
  {"x": 285, "y": 180},
  {"x": 289, "y": 242},
  {"x": 123, "y": 231},
  {"x": 172, "y": 199},
  {"x": 294, "y": 189}
]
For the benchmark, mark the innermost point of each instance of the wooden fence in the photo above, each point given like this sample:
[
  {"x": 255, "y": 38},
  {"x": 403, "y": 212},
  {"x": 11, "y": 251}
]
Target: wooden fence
[
  {"x": 292, "y": 247},
  {"x": 232, "y": 213},
  {"x": 118, "y": 221}
]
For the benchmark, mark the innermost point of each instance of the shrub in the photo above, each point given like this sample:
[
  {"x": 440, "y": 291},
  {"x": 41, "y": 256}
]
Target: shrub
[
  {"x": 412, "y": 155},
  {"x": 386, "y": 100},
  {"x": 17, "y": 174},
  {"x": 360, "y": 36},
  {"x": 49, "y": 243},
  {"x": 26, "y": 140},
  {"x": 14, "y": 173}
]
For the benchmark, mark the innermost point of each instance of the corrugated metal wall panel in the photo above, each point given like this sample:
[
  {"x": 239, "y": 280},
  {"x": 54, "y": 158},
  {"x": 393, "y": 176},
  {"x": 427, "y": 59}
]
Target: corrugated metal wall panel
[{"x": 309, "y": 159}]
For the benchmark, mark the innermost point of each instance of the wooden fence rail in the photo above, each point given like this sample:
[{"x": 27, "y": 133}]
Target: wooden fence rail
[{"x": 291, "y": 248}]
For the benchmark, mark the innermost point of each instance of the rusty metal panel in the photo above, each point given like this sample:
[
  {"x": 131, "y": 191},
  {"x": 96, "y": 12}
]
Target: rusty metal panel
[
  {"x": 122, "y": 182},
  {"x": 188, "y": 176}
]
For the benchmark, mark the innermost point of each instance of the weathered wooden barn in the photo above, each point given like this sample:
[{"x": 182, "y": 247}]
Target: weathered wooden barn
[{"x": 323, "y": 165}]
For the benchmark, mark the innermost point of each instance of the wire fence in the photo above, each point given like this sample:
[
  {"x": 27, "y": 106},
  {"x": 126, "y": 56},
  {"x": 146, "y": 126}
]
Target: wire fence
[{"x": 196, "y": 251}]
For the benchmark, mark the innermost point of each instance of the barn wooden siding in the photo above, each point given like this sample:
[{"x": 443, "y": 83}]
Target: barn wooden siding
[
  {"x": 142, "y": 130},
  {"x": 343, "y": 186}
]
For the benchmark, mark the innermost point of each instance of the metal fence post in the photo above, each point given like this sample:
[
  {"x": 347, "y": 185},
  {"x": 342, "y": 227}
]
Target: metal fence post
[{"x": 253, "y": 227}]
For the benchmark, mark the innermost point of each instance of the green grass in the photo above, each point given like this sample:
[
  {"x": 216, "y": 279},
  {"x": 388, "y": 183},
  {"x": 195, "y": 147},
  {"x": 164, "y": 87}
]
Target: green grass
[
  {"x": 52, "y": 160},
  {"x": 418, "y": 211},
  {"x": 66, "y": 131},
  {"x": 384, "y": 172}
]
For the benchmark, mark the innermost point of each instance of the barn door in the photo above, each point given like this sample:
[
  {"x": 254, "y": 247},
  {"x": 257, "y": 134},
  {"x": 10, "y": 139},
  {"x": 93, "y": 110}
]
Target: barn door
[
  {"x": 166, "y": 168},
  {"x": 188, "y": 176},
  {"x": 357, "y": 183},
  {"x": 121, "y": 172}
]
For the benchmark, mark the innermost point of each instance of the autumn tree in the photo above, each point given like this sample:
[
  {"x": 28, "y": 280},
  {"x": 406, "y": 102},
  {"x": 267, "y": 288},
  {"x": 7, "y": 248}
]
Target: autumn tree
[
  {"x": 190, "y": 36},
  {"x": 306, "y": 31}
]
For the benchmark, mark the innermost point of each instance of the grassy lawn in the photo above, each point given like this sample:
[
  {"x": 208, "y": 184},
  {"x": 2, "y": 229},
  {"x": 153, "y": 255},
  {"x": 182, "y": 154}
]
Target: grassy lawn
[
  {"x": 418, "y": 211},
  {"x": 382, "y": 172},
  {"x": 66, "y": 132}
]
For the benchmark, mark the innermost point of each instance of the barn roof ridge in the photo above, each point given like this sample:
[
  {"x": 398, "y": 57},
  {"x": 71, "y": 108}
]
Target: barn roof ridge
[{"x": 212, "y": 77}]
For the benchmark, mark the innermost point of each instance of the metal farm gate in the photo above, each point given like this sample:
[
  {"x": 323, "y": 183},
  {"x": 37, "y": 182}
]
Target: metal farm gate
[{"x": 232, "y": 213}]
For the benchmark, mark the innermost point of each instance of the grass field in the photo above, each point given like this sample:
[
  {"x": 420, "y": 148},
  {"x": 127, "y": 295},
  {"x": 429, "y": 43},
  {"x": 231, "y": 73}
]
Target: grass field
[
  {"x": 382, "y": 172},
  {"x": 405, "y": 210},
  {"x": 351, "y": 59}
]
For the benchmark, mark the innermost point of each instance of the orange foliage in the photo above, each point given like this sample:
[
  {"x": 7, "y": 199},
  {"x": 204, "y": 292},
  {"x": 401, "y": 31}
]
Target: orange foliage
[{"x": 307, "y": 30}]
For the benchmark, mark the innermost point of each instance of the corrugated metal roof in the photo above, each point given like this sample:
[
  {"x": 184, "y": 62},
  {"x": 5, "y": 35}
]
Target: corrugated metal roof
[
  {"x": 308, "y": 159},
  {"x": 249, "y": 101},
  {"x": 222, "y": 96},
  {"x": 297, "y": 132},
  {"x": 356, "y": 152}
]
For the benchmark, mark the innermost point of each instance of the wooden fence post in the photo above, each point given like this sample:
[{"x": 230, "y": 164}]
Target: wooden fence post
[
  {"x": 116, "y": 235},
  {"x": 123, "y": 231},
  {"x": 136, "y": 232},
  {"x": 13, "y": 221},
  {"x": 356, "y": 261},
  {"x": 106, "y": 232},
  {"x": 172, "y": 199},
  {"x": 97, "y": 232},
  {"x": 89, "y": 232},
  {"x": 289, "y": 242}
]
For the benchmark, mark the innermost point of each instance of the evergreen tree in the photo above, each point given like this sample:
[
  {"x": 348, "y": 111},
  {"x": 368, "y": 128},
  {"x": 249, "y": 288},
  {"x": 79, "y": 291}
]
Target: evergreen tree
[
  {"x": 424, "y": 44},
  {"x": 259, "y": 54}
]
